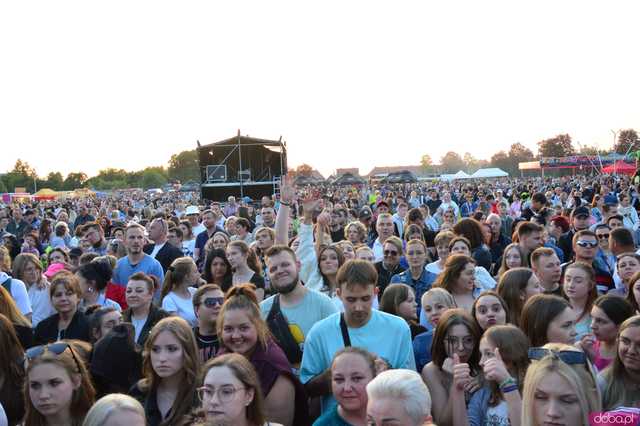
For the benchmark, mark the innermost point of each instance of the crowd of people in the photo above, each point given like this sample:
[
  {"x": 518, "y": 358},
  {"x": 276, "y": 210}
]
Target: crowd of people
[{"x": 478, "y": 302}]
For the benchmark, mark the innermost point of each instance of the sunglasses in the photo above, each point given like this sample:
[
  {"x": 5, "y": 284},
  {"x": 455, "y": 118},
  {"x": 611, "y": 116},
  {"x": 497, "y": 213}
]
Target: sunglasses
[
  {"x": 603, "y": 236},
  {"x": 568, "y": 357},
  {"x": 587, "y": 244},
  {"x": 390, "y": 253},
  {"x": 210, "y": 302},
  {"x": 54, "y": 348}
]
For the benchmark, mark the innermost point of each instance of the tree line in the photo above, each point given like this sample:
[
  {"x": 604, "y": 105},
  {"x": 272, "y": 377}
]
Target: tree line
[{"x": 182, "y": 167}]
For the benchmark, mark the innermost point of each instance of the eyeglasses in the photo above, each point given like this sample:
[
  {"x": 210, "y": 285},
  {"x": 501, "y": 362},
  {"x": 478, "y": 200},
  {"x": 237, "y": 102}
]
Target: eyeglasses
[
  {"x": 390, "y": 253},
  {"x": 568, "y": 357},
  {"x": 603, "y": 236},
  {"x": 587, "y": 244},
  {"x": 415, "y": 253},
  {"x": 210, "y": 302},
  {"x": 224, "y": 393},
  {"x": 467, "y": 342},
  {"x": 55, "y": 348}
]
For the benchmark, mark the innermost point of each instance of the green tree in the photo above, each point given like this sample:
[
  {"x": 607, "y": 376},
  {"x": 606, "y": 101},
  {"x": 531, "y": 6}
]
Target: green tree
[
  {"x": 184, "y": 166},
  {"x": 153, "y": 179},
  {"x": 558, "y": 146},
  {"x": 3, "y": 187},
  {"x": 502, "y": 161},
  {"x": 304, "y": 170},
  {"x": 22, "y": 175},
  {"x": 74, "y": 180},
  {"x": 628, "y": 141},
  {"x": 592, "y": 150},
  {"x": 452, "y": 162},
  {"x": 519, "y": 153},
  {"x": 54, "y": 181}
]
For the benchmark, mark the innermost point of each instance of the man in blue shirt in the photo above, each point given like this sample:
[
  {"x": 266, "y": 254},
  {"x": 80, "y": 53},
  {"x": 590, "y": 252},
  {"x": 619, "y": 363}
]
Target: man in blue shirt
[
  {"x": 136, "y": 260},
  {"x": 387, "y": 336}
]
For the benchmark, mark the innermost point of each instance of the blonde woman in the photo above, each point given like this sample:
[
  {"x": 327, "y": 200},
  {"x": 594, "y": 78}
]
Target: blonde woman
[
  {"x": 115, "y": 409},
  {"x": 558, "y": 376}
]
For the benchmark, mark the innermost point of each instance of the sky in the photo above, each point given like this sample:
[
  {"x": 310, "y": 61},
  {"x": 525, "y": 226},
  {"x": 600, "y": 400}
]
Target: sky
[{"x": 88, "y": 85}]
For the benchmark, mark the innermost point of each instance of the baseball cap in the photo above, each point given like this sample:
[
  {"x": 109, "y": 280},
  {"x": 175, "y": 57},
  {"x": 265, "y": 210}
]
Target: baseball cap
[
  {"x": 580, "y": 211},
  {"x": 365, "y": 213}
]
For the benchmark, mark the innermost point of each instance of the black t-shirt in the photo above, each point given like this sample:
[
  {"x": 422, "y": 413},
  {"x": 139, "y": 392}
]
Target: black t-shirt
[
  {"x": 208, "y": 346},
  {"x": 337, "y": 236}
]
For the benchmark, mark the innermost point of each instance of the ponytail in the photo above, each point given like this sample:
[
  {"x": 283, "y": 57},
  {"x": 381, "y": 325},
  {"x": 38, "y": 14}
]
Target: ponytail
[{"x": 176, "y": 275}]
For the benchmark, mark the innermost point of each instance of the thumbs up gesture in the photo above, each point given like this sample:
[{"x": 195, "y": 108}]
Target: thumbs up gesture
[
  {"x": 494, "y": 368},
  {"x": 461, "y": 373}
]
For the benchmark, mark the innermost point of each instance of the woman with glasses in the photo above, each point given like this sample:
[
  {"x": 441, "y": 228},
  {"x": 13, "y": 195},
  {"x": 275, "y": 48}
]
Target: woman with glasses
[
  {"x": 351, "y": 370},
  {"x": 548, "y": 319},
  {"x": 68, "y": 322},
  {"x": 243, "y": 331},
  {"x": 559, "y": 387},
  {"x": 170, "y": 366},
  {"x": 217, "y": 269},
  {"x": 435, "y": 302},
  {"x": 620, "y": 382},
  {"x": 607, "y": 313},
  {"x": 207, "y": 302},
  {"x": 456, "y": 337},
  {"x": 516, "y": 286},
  {"x": 142, "y": 313},
  {"x": 230, "y": 394},
  {"x": 58, "y": 388},
  {"x": 11, "y": 372},
  {"x": 504, "y": 361}
]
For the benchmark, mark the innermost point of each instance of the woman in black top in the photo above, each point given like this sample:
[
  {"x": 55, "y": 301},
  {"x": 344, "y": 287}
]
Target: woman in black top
[
  {"x": 246, "y": 267},
  {"x": 68, "y": 322},
  {"x": 141, "y": 312}
]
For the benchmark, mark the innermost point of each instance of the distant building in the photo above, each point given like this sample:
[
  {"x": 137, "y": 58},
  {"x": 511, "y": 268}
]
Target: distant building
[{"x": 383, "y": 171}]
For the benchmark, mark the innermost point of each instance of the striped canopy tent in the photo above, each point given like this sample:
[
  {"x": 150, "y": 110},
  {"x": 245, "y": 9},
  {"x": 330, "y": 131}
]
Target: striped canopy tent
[{"x": 45, "y": 194}]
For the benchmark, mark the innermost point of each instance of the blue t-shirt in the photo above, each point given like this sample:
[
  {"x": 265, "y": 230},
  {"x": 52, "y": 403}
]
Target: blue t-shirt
[
  {"x": 385, "y": 335},
  {"x": 331, "y": 418},
  {"x": 148, "y": 265}
]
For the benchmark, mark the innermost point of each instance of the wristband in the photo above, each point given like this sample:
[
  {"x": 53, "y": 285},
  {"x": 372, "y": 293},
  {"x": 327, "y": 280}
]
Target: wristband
[
  {"x": 508, "y": 382},
  {"x": 282, "y": 203},
  {"x": 509, "y": 388}
]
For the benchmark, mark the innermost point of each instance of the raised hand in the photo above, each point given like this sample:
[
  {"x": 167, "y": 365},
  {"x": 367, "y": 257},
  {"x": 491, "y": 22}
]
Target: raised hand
[
  {"x": 324, "y": 218},
  {"x": 309, "y": 205},
  {"x": 461, "y": 373},
  {"x": 587, "y": 344},
  {"x": 287, "y": 191},
  {"x": 494, "y": 368}
]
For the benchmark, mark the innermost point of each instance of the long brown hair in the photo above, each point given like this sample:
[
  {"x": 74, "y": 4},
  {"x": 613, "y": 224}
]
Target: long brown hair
[
  {"x": 510, "y": 287},
  {"x": 453, "y": 268},
  {"x": 20, "y": 263},
  {"x": 82, "y": 398},
  {"x": 471, "y": 230},
  {"x": 9, "y": 309},
  {"x": 450, "y": 318},
  {"x": 252, "y": 258},
  {"x": 536, "y": 315},
  {"x": 186, "y": 395},
  {"x": 513, "y": 345},
  {"x": 593, "y": 291},
  {"x": 11, "y": 370},
  {"x": 619, "y": 387},
  {"x": 176, "y": 274}
]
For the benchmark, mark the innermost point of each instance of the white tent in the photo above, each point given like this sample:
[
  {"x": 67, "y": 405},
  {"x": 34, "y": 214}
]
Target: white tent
[
  {"x": 490, "y": 173},
  {"x": 461, "y": 175}
]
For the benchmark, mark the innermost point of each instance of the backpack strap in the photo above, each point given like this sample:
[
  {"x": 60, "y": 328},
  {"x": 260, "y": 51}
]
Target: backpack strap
[{"x": 345, "y": 332}]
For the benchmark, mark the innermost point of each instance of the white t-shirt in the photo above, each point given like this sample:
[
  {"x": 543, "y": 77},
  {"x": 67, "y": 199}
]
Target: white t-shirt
[
  {"x": 138, "y": 324},
  {"x": 173, "y": 303},
  {"x": 40, "y": 303},
  {"x": 18, "y": 293},
  {"x": 188, "y": 247}
]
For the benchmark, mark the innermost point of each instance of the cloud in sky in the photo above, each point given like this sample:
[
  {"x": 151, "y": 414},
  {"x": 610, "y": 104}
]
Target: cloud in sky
[{"x": 86, "y": 85}]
